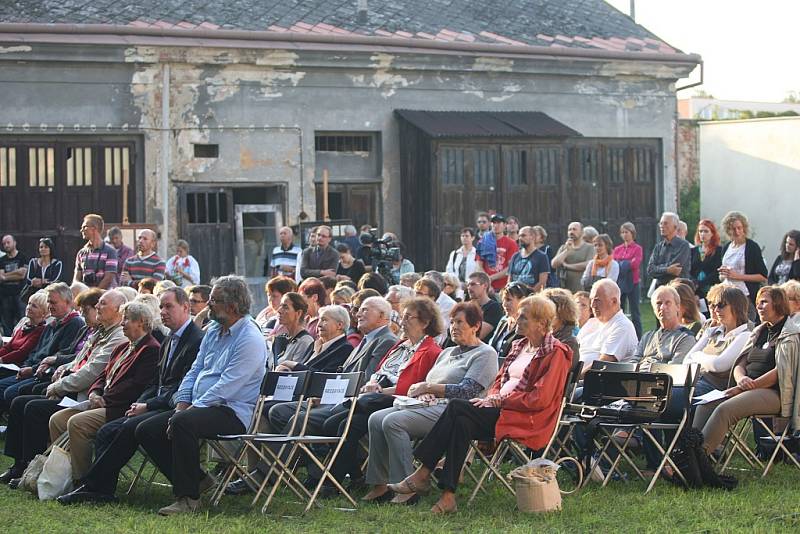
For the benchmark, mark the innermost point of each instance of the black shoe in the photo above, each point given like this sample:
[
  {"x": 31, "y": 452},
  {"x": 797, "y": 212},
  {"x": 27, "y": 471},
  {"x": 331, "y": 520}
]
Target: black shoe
[
  {"x": 84, "y": 495},
  {"x": 238, "y": 487},
  {"x": 356, "y": 484},
  {"x": 12, "y": 473},
  {"x": 14, "y": 483}
]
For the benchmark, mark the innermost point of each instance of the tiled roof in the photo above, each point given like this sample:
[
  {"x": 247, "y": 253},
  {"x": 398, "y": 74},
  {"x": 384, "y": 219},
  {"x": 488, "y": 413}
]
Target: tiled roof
[{"x": 589, "y": 24}]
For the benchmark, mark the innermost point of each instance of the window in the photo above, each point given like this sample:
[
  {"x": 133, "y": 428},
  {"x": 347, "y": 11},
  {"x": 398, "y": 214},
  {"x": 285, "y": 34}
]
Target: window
[
  {"x": 452, "y": 166},
  {"x": 616, "y": 165},
  {"x": 516, "y": 166},
  {"x": 79, "y": 166},
  {"x": 42, "y": 166},
  {"x": 642, "y": 165},
  {"x": 343, "y": 143},
  {"x": 207, "y": 208},
  {"x": 206, "y": 151},
  {"x": 117, "y": 164},
  {"x": 484, "y": 164},
  {"x": 8, "y": 167},
  {"x": 546, "y": 165}
]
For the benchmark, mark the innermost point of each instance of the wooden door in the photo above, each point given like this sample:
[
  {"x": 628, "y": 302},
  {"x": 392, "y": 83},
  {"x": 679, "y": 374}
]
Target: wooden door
[
  {"x": 206, "y": 222},
  {"x": 357, "y": 202}
]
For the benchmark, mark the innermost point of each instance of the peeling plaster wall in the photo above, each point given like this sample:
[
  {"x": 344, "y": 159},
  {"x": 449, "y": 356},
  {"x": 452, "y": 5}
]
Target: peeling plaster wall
[{"x": 263, "y": 106}]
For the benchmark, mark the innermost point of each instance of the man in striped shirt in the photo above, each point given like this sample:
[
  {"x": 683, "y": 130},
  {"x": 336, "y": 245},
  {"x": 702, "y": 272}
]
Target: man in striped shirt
[
  {"x": 146, "y": 263},
  {"x": 96, "y": 263},
  {"x": 284, "y": 257}
]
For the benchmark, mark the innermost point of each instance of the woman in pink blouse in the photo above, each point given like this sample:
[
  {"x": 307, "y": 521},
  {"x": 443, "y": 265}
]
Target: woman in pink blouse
[{"x": 631, "y": 252}]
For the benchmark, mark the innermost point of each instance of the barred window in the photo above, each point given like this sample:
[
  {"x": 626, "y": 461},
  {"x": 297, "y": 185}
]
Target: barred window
[{"x": 8, "y": 167}]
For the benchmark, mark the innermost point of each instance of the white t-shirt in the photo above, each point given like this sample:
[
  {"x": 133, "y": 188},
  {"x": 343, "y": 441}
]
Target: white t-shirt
[
  {"x": 734, "y": 258},
  {"x": 615, "y": 338}
]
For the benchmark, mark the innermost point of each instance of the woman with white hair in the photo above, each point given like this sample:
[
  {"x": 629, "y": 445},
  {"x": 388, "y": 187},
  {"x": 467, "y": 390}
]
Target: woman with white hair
[
  {"x": 331, "y": 348},
  {"x": 159, "y": 331},
  {"x": 28, "y": 331}
]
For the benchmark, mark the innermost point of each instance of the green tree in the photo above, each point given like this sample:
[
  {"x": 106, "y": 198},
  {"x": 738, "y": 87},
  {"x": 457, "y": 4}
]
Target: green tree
[{"x": 689, "y": 208}]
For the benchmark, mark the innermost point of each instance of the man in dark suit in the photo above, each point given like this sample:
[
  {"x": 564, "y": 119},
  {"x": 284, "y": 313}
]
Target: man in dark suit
[{"x": 115, "y": 443}]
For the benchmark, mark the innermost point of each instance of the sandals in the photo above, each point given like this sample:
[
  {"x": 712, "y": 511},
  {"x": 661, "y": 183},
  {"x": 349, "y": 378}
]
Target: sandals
[
  {"x": 407, "y": 486},
  {"x": 437, "y": 509}
]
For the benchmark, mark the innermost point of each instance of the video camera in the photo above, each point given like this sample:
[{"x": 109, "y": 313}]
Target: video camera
[{"x": 382, "y": 252}]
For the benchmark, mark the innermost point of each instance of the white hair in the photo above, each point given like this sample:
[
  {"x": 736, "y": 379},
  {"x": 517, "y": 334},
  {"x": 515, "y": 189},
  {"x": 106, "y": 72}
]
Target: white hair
[
  {"x": 609, "y": 286},
  {"x": 338, "y": 314},
  {"x": 381, "y": 304},
  {"x": 671, "y": 216}
]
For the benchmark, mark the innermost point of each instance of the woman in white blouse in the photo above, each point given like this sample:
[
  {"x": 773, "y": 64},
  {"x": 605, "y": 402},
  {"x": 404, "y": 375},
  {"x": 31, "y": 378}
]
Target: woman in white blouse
[
  {"x": 463, "y": 261},
  {"x": 182, "y": 268}
]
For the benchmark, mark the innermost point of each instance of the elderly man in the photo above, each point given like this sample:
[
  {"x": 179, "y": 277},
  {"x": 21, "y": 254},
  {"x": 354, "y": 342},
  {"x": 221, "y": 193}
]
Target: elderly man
[
  {"x": 115, "y": 443},
  {"x": 130, "y": 369},
  {"x": 283, "y": 260},
  {"x": 27, "y": 433},
  {"x": 529, "y": 265},
  {"x": 62, "y": 328},
  {"x": 572, "y": 258},
  {"x": 217, "y": 395},
  {"x": 146, "y": 263},
  {"x": 671, "y": 342},
  {"x": 320, "y": 259},
  {"x": 671, "y": 257},
  {"x": 13, "y": 267},
  {"x": 609, "y": 335},
  {"x": 96, "y": 264}
]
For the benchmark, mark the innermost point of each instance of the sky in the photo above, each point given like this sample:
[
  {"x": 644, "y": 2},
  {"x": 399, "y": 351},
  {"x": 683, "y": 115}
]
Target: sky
[{"x": 750, "y": 48}]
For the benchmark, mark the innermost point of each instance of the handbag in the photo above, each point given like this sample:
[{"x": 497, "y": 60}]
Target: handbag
[
  {"x": 626, "y": 397},
  {"x": 30, "y": 476},
  {"x": 56, "y": 477}
]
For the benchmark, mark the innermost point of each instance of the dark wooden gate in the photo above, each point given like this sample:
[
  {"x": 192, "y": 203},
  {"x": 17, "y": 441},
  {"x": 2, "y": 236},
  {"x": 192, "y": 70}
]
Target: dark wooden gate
[
  {"x": 206, "y": 222},
  {"x": 47, "y": 186}
]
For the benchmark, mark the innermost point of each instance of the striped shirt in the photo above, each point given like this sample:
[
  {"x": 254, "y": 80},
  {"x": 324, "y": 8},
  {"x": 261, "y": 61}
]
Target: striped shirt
[
  {"x": 284, "y": 259},
  {"x": 139, "y": 267},
  {"x": 94, "y": 263}
]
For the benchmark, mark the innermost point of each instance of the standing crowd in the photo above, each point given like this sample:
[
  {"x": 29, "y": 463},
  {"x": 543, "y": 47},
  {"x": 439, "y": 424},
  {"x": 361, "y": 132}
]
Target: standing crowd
[{"x": 135, "y": 353}]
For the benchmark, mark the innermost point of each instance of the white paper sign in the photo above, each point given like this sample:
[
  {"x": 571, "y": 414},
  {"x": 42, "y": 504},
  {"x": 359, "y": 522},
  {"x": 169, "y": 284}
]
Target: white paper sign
[
  {"x": 9, "y": 366},
  {"x": 334, "y": 391},
  {"x": 284, "y": 389},
  {"x": 68, "y": 402},
  {"x": 712, "y": 396}
]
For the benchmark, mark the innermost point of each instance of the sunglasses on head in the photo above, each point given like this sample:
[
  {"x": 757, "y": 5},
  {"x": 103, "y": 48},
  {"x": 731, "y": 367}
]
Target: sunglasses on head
[{"x": 718, "y": 305}]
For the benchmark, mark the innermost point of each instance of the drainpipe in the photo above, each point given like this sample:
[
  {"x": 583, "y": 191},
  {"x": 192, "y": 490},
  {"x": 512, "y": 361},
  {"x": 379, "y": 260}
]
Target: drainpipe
[{"x": 165, "y": 159}]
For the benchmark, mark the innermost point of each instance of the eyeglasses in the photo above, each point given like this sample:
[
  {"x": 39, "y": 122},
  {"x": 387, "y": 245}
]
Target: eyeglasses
[
  {"x": 717, "y": 305},
  {"x": 197, "y": 301},
  {"x": 407, "y": 317}
]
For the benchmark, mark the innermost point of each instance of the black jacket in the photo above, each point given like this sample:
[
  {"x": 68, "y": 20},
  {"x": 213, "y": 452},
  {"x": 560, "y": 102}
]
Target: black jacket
[
  {"x": 709, "y": 266},
  {"x": 330, "y": 360},
  {"x": 159, "y": 396},
  {"x": 794, "y": 272}
]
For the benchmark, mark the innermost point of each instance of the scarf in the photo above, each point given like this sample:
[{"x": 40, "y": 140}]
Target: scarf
[{"x": 597, "y": 264}]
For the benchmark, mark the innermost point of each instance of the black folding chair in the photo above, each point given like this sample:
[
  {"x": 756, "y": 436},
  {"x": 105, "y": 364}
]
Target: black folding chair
[
  {"x": 319, "y": 393},
  {"x": 292, "y": 388}
]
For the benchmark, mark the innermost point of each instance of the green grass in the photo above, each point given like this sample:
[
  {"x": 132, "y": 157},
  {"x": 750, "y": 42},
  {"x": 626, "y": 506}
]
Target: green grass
[{"x": 758, "y": 505}]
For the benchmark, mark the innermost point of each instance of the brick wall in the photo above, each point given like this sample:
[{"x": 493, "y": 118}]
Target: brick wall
[{"x": 688, "y": 153}]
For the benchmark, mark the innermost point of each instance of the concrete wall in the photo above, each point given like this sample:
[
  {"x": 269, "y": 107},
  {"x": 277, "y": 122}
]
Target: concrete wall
[
  {"x": 752, "y": 166},
  {"x": 263, "y": 106}
]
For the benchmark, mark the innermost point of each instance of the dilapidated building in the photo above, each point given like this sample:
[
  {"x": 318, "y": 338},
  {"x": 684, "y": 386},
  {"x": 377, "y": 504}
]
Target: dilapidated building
[{"x": 216, "y": 120}]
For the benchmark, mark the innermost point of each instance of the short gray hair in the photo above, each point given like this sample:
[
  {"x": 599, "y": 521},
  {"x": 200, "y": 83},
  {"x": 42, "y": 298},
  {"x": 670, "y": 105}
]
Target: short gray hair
[
  {"x": 235, "y": 291},
  {"x": 672, "y": 216},
  {"x": 154, "y": 304},
  {"x": 114, "y": 230},
  {"x": 139, "y": 311},
  {"x": 40, "y": 299},
  {"x": 338, "y": 314},
  {"x": 608, "y": 285},
  {"x": 62, "y": 290},
  {"x": 437, "y": 278},
  {"x": 404, "y": 292},
  {"x": 381, "y": 304}
]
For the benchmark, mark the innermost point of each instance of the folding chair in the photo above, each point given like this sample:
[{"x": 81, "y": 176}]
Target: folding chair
[
  {"x": 736, "y": 442},
  {"x": 508, "y": 445},
  {"x": 324, "y": 389},
  {"x": 292, "y": 388},
  {"x": 676, "y": 416}
]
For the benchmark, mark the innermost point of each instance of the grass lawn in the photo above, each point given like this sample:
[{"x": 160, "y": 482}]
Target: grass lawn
[{"x": 757, "y": 505}]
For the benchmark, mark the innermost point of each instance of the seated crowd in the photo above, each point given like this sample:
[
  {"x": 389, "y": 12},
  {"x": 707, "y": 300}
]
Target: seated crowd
[{"x": 480, "y": 352}]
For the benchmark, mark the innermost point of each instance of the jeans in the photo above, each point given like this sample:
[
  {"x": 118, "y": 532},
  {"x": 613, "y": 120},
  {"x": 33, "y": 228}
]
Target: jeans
[{"x": 630, "y": 303}]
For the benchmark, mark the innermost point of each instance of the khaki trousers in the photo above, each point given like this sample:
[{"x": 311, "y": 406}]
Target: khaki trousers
[
  {"x": 82, "y": 427},
  {"x": 716, "y": 418}
]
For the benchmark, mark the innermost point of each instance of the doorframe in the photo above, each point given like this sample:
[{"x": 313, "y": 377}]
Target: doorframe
[{"x": 239, "y": 209}]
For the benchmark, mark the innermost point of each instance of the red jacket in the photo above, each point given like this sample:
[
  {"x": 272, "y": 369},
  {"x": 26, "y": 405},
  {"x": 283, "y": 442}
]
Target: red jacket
[
  {"x": 133, "y": 376},
  {"x": 22, "y": 342},
  {"x": 417, "y": 367},
  {"x": 529, "y": 415}
]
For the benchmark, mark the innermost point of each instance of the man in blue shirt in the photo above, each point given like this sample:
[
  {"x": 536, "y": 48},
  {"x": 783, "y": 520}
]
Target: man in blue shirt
[
  {"x": 217, "y": 395},
  {"x": 529, "y": 265}
]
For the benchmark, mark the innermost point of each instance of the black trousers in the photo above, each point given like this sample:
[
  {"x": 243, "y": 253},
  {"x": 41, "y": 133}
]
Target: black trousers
[
  {"x": 11, "y": 311},
  {"x": 28, "y": 427},
  {"x": 35, "y": 388},
  {"x": 179, "y": 457},
  {"x": 460, "y": 424},
  {"x": 114, "y": 446}
]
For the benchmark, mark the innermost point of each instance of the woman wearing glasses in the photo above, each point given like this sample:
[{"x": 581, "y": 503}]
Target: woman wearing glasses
[{"x": 722, "y": 338}]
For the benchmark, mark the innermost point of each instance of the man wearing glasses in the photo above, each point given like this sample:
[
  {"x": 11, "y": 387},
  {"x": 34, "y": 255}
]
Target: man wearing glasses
[{"x": 320, "y": 259}]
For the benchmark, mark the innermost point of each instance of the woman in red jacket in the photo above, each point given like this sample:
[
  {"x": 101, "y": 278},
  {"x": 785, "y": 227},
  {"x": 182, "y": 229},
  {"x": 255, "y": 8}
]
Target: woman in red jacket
[
  {"x": 522, "y": 405},
  {"x": 406, "y": 363},
  {"x": 27, "y": 335}
]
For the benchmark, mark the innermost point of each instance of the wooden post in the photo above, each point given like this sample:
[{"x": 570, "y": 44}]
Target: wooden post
[
  {"x": 125, "y": 196},
  {"x": 326, "y": 216}
]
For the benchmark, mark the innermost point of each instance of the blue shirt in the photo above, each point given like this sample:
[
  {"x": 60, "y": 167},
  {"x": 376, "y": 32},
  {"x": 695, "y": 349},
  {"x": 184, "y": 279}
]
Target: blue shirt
[
  {"x": 526, "y": 269},
  {"x": 228, "y": 370}
]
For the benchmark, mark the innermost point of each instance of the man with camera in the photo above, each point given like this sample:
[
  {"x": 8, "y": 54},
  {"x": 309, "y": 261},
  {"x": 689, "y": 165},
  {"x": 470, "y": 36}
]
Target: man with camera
[{"x": 96, "y": 264}]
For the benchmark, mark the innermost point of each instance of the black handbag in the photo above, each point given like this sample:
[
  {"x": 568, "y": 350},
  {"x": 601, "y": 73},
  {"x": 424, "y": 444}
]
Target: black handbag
[{"x": 626, "y": 397}]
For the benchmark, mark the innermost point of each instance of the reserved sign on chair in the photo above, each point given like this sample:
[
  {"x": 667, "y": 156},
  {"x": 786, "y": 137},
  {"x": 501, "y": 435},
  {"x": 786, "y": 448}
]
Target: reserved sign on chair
[
  {"x": 284, "y": 389},
  {"x": 334, "y": 391}
]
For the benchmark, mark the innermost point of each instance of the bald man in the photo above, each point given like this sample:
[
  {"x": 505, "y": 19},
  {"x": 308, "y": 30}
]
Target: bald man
[
  {"x": 146, "y": 263},
  {"x": 283, "y": 260}
]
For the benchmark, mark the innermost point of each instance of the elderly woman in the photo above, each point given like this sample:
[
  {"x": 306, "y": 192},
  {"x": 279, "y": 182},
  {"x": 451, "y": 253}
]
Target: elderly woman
[
  {"x": 163, "y": 285},
  {"x": 406, "y": 363},
  {"x": 762, "y": 387},
  {"x": 397, "y": 296},
  {"x": 129, "y": 370},
  {"x": 706, "y": 257},
  {"x": 330, "y": 349},
  {"x": 159, "y": 331},
  {"x": 275, "y": 288},
  {"x": 452, "y": 287},
  {"x": 722, "y": 338},
  {"x": 295, "y": 342},
  {"x": 27, "y": 332},
  {"x": 506, "y": 332},
  {"x": 632, "y": 252},
  {"x": 792, "y": 290},
  {"x": 787, "y": 265},
  {"x": 182, "y": 268},
  {"x": 566, "y": 319},
  {"x": 464, "y": 371},
  {"x": 522, "y": 405},
  {"x": 603, "y": 265},
  {"x": 742, "y": 263}
]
